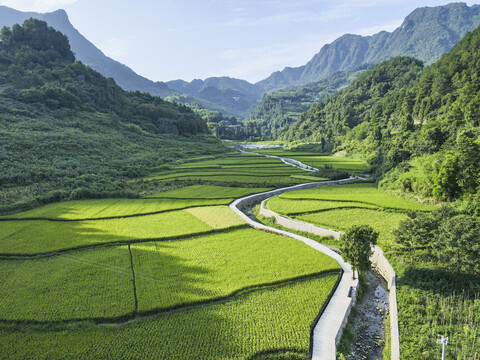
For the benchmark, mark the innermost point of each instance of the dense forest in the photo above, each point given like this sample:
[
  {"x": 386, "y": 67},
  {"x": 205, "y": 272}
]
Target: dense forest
[{"x": 68, "y": 132}]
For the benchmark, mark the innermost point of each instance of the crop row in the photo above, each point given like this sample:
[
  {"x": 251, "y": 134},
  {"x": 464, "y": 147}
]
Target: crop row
[{"x": 363, "y": 193}]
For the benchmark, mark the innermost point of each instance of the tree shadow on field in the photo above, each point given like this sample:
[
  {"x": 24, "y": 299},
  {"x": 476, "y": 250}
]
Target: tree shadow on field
[{"x": 441, "y": 281}]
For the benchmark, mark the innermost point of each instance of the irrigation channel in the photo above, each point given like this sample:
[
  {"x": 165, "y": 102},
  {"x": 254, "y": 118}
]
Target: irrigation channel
[{"x": 368, "y": 323}]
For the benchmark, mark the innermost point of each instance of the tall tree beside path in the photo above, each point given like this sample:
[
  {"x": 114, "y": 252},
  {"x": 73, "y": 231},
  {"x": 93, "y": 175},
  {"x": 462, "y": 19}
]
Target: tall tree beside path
[{"x": 357, "y": 247}]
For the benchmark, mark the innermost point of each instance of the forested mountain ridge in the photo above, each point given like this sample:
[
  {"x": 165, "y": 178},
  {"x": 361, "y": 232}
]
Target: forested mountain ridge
[
  {"x": 67, "y": 131},
  {"x": 86, "y": 52},
  {"x": 425, "y": 34},
  {"x": 419, "y": 128},
  {"x": 279, "y": 109},
  {"x": 231, "y": 96}
]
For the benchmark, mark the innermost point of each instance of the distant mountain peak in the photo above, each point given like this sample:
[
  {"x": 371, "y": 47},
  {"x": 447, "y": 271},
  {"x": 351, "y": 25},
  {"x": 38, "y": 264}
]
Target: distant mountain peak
[{"x": 426, "y": 33}]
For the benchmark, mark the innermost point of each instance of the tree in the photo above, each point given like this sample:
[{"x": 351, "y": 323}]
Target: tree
[
  {"x": 446, "y": 180},
  {"x": 418, "y": 230},
  {"x": 356, "y": 247},
  {"x": 459, "y": 243}
]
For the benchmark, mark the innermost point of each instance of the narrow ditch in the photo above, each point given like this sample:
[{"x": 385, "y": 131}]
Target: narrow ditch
[{"x": 368, "y": 324}]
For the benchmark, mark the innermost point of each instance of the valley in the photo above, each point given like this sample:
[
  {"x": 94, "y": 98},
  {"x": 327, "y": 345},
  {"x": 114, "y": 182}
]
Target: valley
[{"x": 329, "y": 211}]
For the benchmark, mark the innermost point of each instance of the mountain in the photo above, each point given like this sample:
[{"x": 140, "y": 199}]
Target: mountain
[
  {"x": 66, "y": 131},
  {"x": 425, "y": 34},
  {"x": 418, "y": 127},
  {"x": 86, "y": 52},
  {"x": 232, "y": 96}
]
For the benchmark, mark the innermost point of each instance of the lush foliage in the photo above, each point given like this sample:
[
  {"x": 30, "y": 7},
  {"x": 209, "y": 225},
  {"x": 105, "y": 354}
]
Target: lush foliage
[
  {"x": 452, "y": 237},
  {"x": 417, "y": 127},
  {"x": 68, "y": 132},
  {"x": 279, "y": 109},
  {"x": 356, "y": 247},
  {"x": 435, "y": 253}
]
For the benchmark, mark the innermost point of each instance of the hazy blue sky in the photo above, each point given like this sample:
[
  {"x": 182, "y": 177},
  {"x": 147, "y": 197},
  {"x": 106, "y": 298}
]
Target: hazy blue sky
[{"x": 248, "y": 39}]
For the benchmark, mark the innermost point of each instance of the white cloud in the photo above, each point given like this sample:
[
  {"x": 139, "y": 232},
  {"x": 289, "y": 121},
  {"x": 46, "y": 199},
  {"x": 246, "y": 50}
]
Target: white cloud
[{"x": 36, "y": 5}]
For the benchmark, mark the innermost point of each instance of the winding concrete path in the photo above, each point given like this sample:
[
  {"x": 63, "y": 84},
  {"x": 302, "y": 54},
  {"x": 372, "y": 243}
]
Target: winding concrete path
[
  {"x": 378, "y": 259},
  {"x": 329, "y": 328}
]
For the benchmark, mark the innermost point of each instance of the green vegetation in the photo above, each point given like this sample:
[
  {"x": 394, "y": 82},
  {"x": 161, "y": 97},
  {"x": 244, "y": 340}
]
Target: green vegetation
[
  {"x": 41, "y": 236},
  {"x": 382, "y": 221},
  {"x": 180, "y": 256},
  {"x": 209, "y": 267},
  {"x": 111, "y": 208},
  {"x": 91, "y": 284},
  {"x": 210, "y": 192},
  {"x": 417, "y": 127},
  {"x": 69, "y": 133},
  {"x": 356, "y": 247},
  {"x": 275, "y": 320},
  {"x": 319, "y": 160},
  {"x": 234, "y": 169},
  {"x": 434, "y": 251},
  {"x": 279, "y": 109},
  {"x": 364, "y": 193},
  {"x": 158, "y": 276}
]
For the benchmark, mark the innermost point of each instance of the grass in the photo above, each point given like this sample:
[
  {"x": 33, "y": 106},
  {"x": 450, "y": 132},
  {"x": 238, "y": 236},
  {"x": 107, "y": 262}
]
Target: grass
[
  {"x": 214, "y": 266},
  {"x": 40, "y": 236},
  {"x": 275, "y": 320},
  {"x": 292, "y": 206},
  {"x": 217, "y": 217},
  {"x": 381, "y": 221},
  {"x": 236, "y": 293},
  {"x": 235, "y": 168},
  {"x": 341, "y": 206},
  {"x": 318, "y": 160},
  {"x": 167, "y": 275},
  {"x": 431, "y": 299}
]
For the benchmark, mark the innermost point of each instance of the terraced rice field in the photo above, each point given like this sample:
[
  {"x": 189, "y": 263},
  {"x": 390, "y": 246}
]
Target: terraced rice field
[
  {"x": 236, "y": 168},
  {"x": 274, "y": 320},
  {"x": 341, "y": 206},
  {"x": 184, "y": 272}
]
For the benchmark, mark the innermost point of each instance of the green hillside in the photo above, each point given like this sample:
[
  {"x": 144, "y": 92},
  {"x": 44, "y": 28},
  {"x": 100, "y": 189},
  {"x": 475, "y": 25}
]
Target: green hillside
[
  {"x": 279, "y": 109},
  {"x": 418, "y": 127},
  {"x": 67, "y": 131}
]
